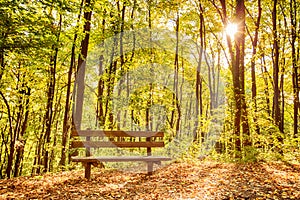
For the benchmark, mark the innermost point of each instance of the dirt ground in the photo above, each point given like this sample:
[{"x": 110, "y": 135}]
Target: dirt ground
[{"x": 185, "y": 180}]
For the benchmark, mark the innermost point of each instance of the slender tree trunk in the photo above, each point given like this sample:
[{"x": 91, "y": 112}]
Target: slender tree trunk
[
  {"x": 1, "y": 63},
  {"x": 111, "y": 71},
  {"x": 82, "y": 65},
  {"x": 49, "y": 110},
  {"x": 110, "y": 85},
  {"x": 253, "y": 71},
  {"x": 131, "y": 59},
  {"x": 199, "y": 99},
  {"x": 66, "y": 120},
  {"x": 122, "y": 62},
  {"x": 282, "y": 72},
  {"x": 50, "y": 101},
  {"x": 240, "y": 12},
  {"x": 176, "y": 77},
  {"x": 266, "y": 89},
  {"x": 18, "y": 118},
  {"x": 100, "y": 115},
  {"x": 11, "y": 136},
  {"x": 21, "y": 146},
  {"x": 3, "y": 149},
  {"x": 276, "y": 97},
  {"x": 295, "y": 76}
]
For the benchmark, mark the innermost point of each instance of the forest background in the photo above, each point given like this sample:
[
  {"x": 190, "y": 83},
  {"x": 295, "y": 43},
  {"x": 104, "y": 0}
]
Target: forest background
[{"x": 235, "y": 96}]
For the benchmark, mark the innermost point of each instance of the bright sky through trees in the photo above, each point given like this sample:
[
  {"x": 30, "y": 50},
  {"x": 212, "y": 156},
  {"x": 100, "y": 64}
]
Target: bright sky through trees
[{"x": 231, "y": 29}]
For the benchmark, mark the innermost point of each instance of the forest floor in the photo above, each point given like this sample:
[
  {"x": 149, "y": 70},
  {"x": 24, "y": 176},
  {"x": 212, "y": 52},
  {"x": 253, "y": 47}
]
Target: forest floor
[{"x": 185, "y": 180}]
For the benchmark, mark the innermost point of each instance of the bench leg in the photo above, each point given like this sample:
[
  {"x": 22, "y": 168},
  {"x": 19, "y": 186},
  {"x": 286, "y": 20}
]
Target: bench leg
[
  {"x": 150, "y": 168},
  {"x": 87, "y": 173}
]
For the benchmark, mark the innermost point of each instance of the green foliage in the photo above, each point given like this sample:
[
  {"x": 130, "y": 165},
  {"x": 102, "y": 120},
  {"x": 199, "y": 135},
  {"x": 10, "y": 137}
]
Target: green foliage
[{"x": 149, "y": 88}]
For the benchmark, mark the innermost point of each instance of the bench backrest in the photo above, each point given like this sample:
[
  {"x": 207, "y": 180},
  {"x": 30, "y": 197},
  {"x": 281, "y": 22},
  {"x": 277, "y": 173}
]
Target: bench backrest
[
  {"x": 89, "y": 139},
  {"x": 115, "y": 139}
]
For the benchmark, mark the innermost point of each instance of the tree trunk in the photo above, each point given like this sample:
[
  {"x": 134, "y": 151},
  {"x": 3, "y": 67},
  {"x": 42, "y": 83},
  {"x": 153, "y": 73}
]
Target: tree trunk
[
  {"x": 253, "y": 73},
  {"x": 11, "y": 136},
  {"x": 66, "y": 120},
  {"x": 21, "y": 146},
  {"x": 238, "y": 75},
  {"x": 240, "y": 12},
  {"x": 266, "y": 89},
  {"x": 1, "y": 63},
  {"x": 199, "y": 99},
  {"x": 176, "y": 77},
  {"x": 82, "y": 65},
  {"x": 276, "y": 97},
  {"x": 295, "y": 75},
  {"x": 49, "y": 110},
  {"x": 122, "y": 62},
  {"x": 50, "y": 101},
  {"x": 100, "y": 92}
]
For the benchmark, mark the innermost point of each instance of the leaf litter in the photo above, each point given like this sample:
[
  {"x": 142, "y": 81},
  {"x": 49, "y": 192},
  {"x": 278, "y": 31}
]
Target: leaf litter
[{"x": 183, "y": 180}]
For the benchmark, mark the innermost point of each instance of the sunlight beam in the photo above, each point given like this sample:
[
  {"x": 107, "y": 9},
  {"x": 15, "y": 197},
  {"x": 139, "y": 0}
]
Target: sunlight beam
[{"x": 231, "y": 30}]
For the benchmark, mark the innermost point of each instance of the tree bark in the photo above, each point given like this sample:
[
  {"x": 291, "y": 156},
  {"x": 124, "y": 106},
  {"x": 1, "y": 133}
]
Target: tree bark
[
  {"x": 253, "y": 71},
  {"x": 23, "y": 127},
  {"x": 100, "y": 115},
  {"x": 238, "y": 75},
  {"x": 295, "y": 75},
  {"x": 11, "y": 136},
  {"x": 50, "y": 100},
  {"x": 198, "y": 89},
  {"x": 276, "y": 97},
  {"x": 1, "y": 63},
  {"x": 122, "y": 62},
  {"x": 66, "y": 120},
  {"x": 176, "y": 77},
  {"x": 82, "y": 65},
  {"x": 240, "y": 12}
]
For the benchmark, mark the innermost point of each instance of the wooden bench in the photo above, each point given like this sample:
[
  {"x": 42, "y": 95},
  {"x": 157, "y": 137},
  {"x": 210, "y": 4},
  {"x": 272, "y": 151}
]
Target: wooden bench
[{"x": 95, "y": 139}]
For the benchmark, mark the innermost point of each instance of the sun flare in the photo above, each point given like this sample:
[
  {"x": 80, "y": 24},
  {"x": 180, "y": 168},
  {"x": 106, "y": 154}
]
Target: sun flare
[{"x": 231, "y": 29}]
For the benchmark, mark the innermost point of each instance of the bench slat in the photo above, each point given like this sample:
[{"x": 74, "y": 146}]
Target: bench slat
[
  {"x": 101, "y": 133},
  {"x": 103, "y": 144},
  {"x": 121, "y": 159}
]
